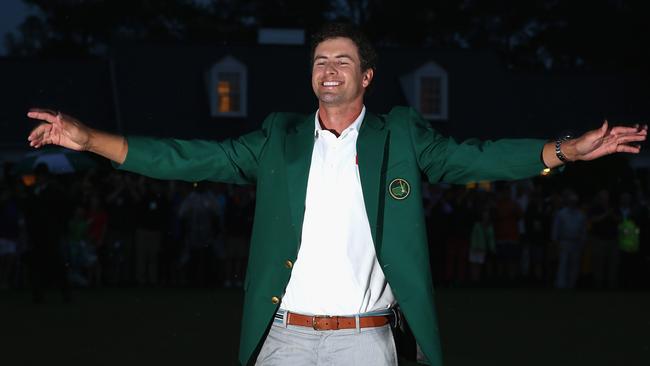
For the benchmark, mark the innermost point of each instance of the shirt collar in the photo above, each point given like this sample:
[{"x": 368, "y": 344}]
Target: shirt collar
[{"x": 355, "y": 126}]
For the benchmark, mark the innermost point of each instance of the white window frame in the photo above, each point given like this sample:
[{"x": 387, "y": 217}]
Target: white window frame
[
  {"x": 228, "y": 64},
  {"x": 411, "y": 85}
]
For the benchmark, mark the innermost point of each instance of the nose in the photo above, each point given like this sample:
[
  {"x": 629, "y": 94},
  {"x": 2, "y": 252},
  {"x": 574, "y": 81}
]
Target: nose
[{"x": 330, "y": 68}]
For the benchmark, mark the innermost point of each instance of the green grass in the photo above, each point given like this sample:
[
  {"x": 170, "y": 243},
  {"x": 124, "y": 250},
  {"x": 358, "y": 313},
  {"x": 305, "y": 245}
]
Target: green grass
[{"x": 201, "y": 327}]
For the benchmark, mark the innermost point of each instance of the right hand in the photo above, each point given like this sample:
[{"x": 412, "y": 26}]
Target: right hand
[{"x": 59, "y": 129}]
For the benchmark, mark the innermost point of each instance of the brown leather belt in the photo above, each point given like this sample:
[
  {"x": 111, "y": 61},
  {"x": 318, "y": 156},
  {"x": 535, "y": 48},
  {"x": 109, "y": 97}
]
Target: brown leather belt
[{"x": 319, "y": 322}]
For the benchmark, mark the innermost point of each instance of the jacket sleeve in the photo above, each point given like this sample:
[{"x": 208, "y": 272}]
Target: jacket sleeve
[
  {"x": 443, "y": 159},
  {"x": 229, "y": 161}
]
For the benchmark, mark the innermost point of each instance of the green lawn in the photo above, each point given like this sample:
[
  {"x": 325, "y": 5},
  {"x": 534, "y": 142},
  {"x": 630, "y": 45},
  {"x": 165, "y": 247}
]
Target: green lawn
[{"x": 201, "y": 327}]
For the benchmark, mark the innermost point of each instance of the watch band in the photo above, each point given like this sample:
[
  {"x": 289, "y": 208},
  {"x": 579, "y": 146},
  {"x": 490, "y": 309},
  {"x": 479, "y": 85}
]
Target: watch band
[{"x": 558, "y": 148}]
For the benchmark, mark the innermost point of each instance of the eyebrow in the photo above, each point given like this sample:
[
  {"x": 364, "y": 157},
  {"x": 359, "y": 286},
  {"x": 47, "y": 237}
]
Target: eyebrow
[{"x": 321, "y": 57}]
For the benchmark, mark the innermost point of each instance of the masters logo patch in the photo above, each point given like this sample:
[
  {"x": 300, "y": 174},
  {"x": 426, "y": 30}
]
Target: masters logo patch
[{"x": 399, "y": 189}]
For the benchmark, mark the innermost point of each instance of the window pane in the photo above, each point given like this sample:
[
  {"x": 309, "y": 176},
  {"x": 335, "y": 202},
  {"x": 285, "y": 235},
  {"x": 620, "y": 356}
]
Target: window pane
[
  {"x": 430, "y": 95},
  {"x": 228, "y": 92}
]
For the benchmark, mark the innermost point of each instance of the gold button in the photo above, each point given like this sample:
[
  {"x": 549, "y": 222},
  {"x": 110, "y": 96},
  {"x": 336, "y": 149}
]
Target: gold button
[
  {"x": 275, "y": 300},
  {"x": 288, "y": 264}
]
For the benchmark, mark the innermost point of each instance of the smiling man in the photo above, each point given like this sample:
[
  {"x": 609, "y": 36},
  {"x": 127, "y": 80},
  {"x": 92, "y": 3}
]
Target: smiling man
[{"x": 339, "y": 234}]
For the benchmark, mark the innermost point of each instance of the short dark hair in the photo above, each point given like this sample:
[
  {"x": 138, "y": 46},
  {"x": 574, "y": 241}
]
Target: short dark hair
[{"x": 367, "y": 53}]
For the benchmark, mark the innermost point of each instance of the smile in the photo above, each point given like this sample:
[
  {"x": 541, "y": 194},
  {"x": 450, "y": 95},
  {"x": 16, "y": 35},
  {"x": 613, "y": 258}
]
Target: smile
[{"x": 331, "y": 83}]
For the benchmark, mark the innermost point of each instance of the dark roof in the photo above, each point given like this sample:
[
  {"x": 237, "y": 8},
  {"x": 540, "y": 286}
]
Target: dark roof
[{"x": 163, "y": 92}]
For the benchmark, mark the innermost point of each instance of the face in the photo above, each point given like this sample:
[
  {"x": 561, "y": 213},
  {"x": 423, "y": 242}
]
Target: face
[{"x": 336, "y": 76}]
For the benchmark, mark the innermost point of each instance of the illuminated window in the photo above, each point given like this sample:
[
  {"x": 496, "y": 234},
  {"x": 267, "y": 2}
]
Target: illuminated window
[
  {"x": 426, "y": 90},
  {"x": 228, "y": 92},
  {"x": 227, "y": 88}
]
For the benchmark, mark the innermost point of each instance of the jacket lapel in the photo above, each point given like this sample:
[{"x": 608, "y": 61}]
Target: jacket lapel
[
  {"x": 372, "y": 154},
  {"x": 299, "y": 145}
]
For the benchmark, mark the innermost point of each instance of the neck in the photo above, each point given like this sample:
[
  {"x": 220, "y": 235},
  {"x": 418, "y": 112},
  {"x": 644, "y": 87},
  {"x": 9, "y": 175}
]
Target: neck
[{"x": 338, "y": 118}]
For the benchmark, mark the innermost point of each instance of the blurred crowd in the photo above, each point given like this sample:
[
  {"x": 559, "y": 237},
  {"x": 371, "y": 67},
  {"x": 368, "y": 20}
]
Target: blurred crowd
[
  {"x": 106, "y": 227},
  {"x": 523, "y": 234}
]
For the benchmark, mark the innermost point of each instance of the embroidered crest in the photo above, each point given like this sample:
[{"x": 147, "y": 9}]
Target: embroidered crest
[{"x": 399, "y": 189}]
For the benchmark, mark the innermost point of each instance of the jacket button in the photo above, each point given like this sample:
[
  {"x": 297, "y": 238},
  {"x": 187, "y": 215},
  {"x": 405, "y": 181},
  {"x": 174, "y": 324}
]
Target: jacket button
[
  {"x": 275, "y": 300},
  {"x": 288, "y": 264}
]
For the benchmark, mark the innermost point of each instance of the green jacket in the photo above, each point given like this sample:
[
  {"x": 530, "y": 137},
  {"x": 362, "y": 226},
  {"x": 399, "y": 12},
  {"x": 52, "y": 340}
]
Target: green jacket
[{"x": 277, "y": 157}]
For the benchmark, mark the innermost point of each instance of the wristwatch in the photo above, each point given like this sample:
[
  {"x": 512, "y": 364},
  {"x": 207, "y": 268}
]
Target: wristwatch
[{"x": 558, "y": 147}]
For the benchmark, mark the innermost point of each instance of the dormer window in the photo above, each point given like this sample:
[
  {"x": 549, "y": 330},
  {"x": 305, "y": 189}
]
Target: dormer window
[
  {"x": 426, "y": 90},
  {"x": 227, "y": 88}
]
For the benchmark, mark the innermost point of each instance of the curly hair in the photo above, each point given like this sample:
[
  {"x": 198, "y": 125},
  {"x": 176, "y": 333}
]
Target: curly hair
[{"x": 367, "y": 53}]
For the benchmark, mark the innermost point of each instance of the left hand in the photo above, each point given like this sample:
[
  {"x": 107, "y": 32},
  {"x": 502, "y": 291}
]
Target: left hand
[
  {"x": 605, "y": 141},
  {"x": 596, "y": 143}
]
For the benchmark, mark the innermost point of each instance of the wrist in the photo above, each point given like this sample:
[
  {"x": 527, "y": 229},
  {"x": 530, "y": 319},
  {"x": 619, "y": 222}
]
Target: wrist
[
  {"x": 570, "y": 151},
  {"x": 89, "y": 144},
  {"x": 565, "y": 149}
]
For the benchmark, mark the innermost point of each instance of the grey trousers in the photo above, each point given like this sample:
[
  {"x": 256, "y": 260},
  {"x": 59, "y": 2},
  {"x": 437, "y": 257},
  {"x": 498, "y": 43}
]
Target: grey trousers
[{"x": 303, "y": 346}]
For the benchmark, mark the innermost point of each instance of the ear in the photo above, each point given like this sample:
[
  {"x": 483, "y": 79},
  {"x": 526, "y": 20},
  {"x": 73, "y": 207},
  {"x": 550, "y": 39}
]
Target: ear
[{"x": 367, "y": 77}]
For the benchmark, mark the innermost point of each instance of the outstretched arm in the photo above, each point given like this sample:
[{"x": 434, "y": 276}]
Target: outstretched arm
[
  {"x": 597, "y": 143},
  {"x": 63, "y": 130}
]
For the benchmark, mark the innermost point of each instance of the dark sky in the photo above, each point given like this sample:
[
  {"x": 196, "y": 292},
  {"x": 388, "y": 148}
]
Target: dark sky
[{"x": 12, "y": 13}]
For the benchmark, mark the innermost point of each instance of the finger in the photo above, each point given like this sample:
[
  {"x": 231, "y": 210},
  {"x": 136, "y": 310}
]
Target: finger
[
  {"x": 38, "y": 133},
  {"x": 621, "y": 130},
  {"x": 630, "y": 138},
  {"x": 43, "y": 115},
  {"x": 44, "y": 110},
  {"x": 628, "y": 149}
]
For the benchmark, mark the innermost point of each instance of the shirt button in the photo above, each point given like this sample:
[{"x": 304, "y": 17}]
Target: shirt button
[
  {"x": 288, "y": 264},
  {"x": 275, "y": 300}
]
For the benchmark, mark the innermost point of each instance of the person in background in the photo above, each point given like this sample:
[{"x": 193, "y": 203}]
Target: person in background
[
  {"x": 604, "y": 222},
  {"x": 482, "y": 246},
  {"x": 538, "y": 228},
  {"x": 569, "y": 232},
  {"x": 120, "y": 206},
  {"x": 506, "y": 231},
  {"x": 629, "y": 241},
  {"x": 152, "y": 207},
  {"x": 46, "y": 214},
  {"x": 10, "y": 217},
  {"x": 199, "y": 216}
]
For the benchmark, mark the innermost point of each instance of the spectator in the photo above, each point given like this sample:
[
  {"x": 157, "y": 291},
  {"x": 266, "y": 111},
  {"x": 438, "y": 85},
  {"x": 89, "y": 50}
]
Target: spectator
[
  {"x": 239, "y": 224},
  {"x": 121, "y": 211},
  {"x": 80, "y": 254},
  {"x": 482, "y": 246},
  {"x": 506, "y": 232},
  {"x": 604, "y": 233},
  {"x": 45, "y": 218},
  {"x": 97, "y": 221},
  {"x": 199, "y": 215},
  {"x": 9, "y": 235},
  {"x": 628, "y": 241},
  {"x": 153, "y": 212},
  {"x": 569, "y": 232},
  {"x": 461, "y": 220},
  {"x": 538, "y": 227}
]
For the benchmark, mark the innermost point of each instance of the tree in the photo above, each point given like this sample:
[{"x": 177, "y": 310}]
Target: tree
[{"x": 544, "y": 34}]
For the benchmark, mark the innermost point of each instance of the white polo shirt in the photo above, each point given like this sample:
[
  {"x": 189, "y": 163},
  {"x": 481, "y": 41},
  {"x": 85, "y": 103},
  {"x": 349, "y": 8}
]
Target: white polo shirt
[{"x": 336, "y": 271}]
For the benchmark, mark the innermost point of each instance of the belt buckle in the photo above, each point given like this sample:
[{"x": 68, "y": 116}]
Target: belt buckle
[{"x": 315, "y": 318}]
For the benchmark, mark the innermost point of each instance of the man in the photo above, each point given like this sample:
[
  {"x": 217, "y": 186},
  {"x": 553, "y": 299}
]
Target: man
[
  {"x": 569, "y": 231},
  {"x": 339, "y": 235}
]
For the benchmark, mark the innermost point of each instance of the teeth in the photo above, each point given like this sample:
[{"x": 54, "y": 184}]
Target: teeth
[{"x": 331, "y": 83}]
